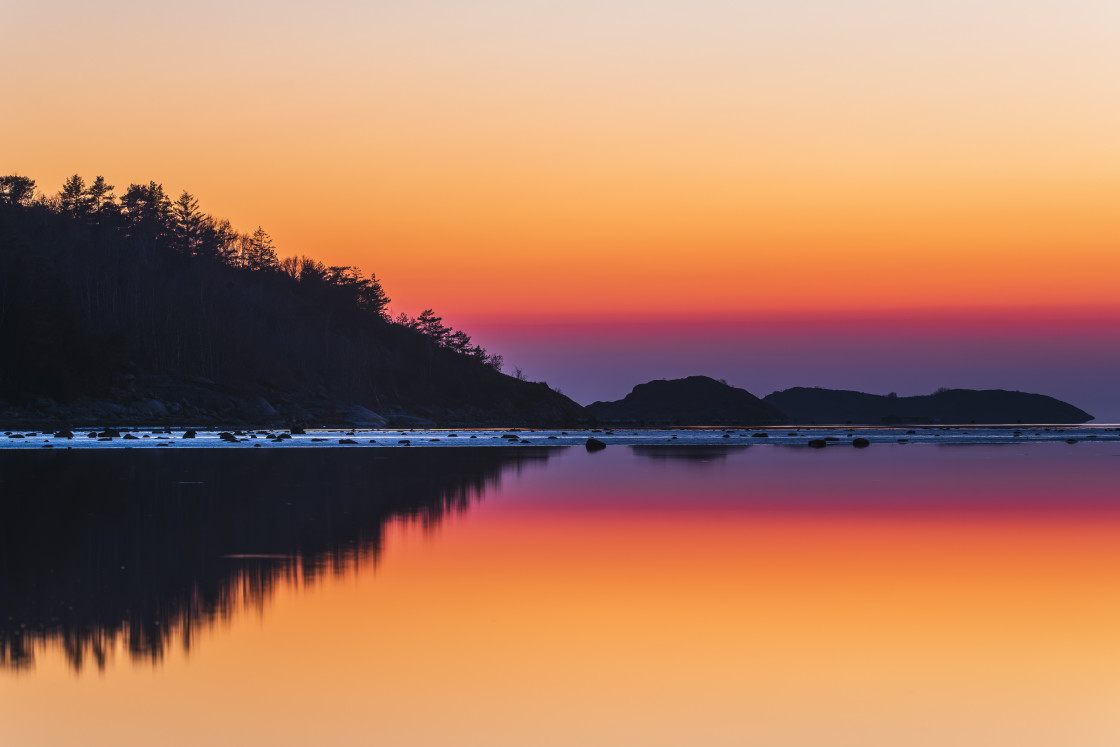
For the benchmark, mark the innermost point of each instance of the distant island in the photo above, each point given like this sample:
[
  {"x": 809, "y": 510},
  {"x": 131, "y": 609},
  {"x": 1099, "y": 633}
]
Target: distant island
[
  {"x": 700, "y": 400},
  {"x": 696, "y": 400},
  {"x": 809, "y": 405},
  {"x": 143, "y": 310}
]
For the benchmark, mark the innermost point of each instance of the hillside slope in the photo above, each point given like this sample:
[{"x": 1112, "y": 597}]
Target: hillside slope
[{"x": 120, "y": 316}]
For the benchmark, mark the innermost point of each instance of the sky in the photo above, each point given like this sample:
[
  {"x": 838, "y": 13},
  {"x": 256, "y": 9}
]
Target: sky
[{"x": 866, "y": 194}]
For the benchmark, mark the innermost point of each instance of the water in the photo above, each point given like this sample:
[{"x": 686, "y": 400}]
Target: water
[{"x": 898, "y": 595}]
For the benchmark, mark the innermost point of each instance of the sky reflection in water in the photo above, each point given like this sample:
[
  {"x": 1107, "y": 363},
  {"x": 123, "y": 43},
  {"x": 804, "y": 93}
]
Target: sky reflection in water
[{"x": 891, "y": 596}]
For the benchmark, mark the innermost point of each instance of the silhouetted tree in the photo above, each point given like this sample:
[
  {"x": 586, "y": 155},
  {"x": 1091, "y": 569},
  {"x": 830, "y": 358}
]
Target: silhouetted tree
[
  {"x": 459, "y": 341},
  {"x": 365, "y": 293},
  {"x": 291, "y": 266},
  {"x": 102, "y": 203},
  {"x": 258, "y": 252},
  {"x": 216, "y": 240},
  {"x": 74, "y": 197},
  {"x": 147, "y": 211},
  {"x": 432, "y": 326},
  {"x": 17, "y": 190},
  {"x": 311, "y": 272},
  {"x": 187, "y": 224}
]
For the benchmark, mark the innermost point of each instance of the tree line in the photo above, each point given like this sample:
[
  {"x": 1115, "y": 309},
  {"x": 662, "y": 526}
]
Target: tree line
[
  {"x": 142, "y": 280},
  {"x": 147, "y": 214}
]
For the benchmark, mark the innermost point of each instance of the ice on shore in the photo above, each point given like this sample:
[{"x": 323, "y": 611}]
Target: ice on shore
[{"x": 459, "y": 438}]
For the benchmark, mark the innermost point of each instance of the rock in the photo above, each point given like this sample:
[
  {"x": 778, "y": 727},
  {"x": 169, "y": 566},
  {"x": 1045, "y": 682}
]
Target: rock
[
  {"x": 189, "y": 434},
  {"x": 860, "y": 443},
  {"x": 296, "y": 430},
  {"x": 228, "y": 437},
  {"x": 64, "y": 433},
  {"x": 364, "y": 418},
  {"x": 347, "y": 441},
  {"x": 410, "y": 421},
  {"x": 760, "y": 435},
  {"x": 205, "y": 400},
  {"x": 818, "y": 443},
  {"x": 259, "y": 409},
  {"x": 594, "y": 444},
  {"x": 152, "y": 407}
]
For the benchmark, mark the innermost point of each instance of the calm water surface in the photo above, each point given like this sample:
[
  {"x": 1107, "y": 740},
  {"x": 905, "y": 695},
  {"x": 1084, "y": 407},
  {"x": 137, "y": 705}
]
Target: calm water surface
[{"x": 897, "y": 595}]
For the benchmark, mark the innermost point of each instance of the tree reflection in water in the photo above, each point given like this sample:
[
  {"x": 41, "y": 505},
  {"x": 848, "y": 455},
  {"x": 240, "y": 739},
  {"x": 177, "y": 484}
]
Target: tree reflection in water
[{"x": 144, "y": 548}]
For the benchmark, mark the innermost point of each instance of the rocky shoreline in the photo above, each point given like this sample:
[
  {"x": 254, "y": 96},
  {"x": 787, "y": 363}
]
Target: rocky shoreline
[
  {"x": 660, "y": 442},
  {"x": 201, "y": 403}
]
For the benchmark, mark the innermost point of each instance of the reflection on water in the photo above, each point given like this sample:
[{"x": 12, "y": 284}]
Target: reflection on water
[
  {"x": 142, "y": 548},
  {"x": 685, "y": 454},
  {"x": 884, "y": 597}
]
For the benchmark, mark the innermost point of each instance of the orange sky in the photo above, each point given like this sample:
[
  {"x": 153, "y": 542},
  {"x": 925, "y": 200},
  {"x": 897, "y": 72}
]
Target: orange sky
[{"x": 547, "y": 159}]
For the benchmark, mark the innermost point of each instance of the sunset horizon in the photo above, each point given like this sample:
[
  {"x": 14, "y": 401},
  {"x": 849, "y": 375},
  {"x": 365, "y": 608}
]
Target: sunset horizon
[
  {"x": 557, "y": 164},
  {"x": 601, "y": 348},
  {"x": 597, "y": 372}
]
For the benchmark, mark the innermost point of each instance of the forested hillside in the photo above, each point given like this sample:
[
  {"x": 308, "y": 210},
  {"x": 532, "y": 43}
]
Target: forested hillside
[{"x": 144, "y": 306}]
